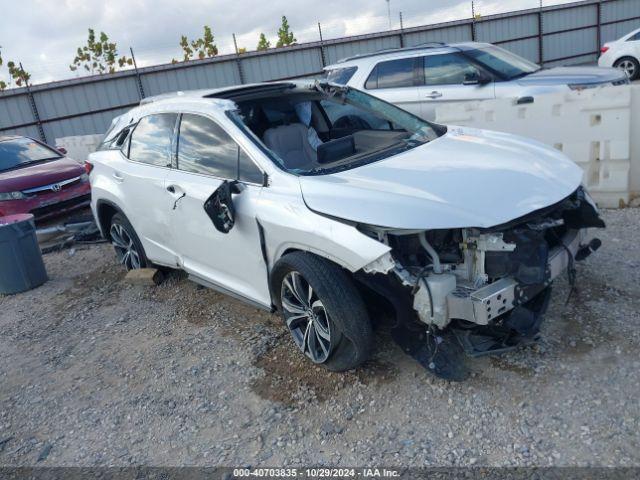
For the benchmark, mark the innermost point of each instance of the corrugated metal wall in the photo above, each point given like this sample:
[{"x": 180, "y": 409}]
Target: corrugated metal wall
[{"x": 564, "y": 34}]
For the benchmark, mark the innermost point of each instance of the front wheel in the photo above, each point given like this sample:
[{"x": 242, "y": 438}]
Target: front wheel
[
  {"x": 126, "y": 243},
  {"x": 323, "y": 310}
]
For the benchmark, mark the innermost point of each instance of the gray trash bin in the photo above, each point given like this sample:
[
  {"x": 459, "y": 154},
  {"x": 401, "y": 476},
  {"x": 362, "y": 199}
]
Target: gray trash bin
[{"x": 21, "y": 265}]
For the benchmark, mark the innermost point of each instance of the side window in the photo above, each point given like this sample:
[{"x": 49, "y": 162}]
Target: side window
[
  {"x": 205, "y": 148},
  {"x": 248, "y": 171},
  {"x": 447, "y": 69},
  {"x": 634, "y": 38},
  {"x": 392, "y": 74},
  {"x": 151, "y": 139},
  {"x": 340, "y": 75}
]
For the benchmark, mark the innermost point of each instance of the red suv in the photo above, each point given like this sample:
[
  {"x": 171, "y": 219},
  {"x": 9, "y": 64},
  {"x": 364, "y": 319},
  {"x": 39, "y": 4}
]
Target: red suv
[{"x": 37, "y": 179}]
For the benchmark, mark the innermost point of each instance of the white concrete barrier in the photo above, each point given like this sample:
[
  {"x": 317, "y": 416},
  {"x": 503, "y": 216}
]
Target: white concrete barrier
[
  {"x": 597, "y": 128},
  {"x": 79, "y": 147}
]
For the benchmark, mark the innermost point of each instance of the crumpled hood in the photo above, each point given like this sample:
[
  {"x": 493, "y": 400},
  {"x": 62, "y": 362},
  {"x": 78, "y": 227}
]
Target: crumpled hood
[
  {"x": 466, "y": 178},
  {"x": 573, "y": 76}
]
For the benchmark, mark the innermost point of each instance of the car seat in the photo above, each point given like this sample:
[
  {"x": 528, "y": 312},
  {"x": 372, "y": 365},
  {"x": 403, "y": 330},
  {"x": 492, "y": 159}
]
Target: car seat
[{"x": 291, "y": 143}]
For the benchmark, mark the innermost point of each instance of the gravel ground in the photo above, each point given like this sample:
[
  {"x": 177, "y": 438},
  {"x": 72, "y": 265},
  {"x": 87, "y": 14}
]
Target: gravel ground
[{"x": 94, "y": 371}]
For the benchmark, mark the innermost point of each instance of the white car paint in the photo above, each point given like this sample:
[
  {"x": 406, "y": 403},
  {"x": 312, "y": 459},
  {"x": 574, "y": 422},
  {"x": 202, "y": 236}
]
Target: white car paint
[
  {"x": 178, "y": 238},
  {"x": 422, "y": 100},
  {"x": 467, "y": 178},
  {"x": 626, "y": 47}
]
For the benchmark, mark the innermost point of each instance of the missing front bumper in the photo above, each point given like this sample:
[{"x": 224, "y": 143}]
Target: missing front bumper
[{"x": 483, "y": 305}]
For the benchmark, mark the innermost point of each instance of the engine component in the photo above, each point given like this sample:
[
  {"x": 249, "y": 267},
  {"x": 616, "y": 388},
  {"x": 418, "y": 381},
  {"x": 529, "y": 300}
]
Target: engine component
[{"x": 430, "y": 299}]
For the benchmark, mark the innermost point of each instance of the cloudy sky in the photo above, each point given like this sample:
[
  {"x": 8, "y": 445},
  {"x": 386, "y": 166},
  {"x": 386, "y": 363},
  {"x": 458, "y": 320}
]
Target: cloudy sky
[{"x": 44, "y": 34}]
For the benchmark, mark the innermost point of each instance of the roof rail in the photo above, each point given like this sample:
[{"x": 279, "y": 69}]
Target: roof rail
[{"x": 421, "y": 46}]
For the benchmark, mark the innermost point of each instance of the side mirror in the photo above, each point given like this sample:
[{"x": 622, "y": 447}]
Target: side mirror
[
  {"x": 220, "y": 209},
  {"x": 62, "y": 150},
  {"x": 476, "y": 78}
]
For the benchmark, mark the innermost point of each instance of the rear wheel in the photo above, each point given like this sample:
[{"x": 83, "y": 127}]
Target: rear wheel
[
  {"x": 126, "y": 243},
  {"x": 323, "y": 310},
  {"x": 630, "y": 66}
]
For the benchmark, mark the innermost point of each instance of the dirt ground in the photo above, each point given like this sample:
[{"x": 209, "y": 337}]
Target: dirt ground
[{"x": 94, "y": 371}]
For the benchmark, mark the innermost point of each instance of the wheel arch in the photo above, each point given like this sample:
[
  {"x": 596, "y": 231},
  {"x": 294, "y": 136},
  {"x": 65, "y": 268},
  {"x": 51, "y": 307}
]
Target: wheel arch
[
  {"x": 626, "y": 55},
  {"x": 105, "y": 210},
  {"x": 292, "y": 248}
]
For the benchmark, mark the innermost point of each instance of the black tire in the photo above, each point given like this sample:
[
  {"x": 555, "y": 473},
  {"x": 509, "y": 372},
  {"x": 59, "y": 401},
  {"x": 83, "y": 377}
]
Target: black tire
[
  {"x": 634, "y": 64},
  {"x": 124, "y": 239},
  {"x": 343, "y": 313}
]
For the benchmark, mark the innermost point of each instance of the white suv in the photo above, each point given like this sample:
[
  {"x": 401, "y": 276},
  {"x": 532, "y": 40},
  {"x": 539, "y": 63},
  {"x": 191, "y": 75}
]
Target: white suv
[
  {"x": 419, "y": 79},
  {"x": 340, "y": 210}
]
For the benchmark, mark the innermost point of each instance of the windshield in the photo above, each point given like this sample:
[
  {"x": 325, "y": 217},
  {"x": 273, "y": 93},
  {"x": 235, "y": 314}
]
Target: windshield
[
  {"x": 502, "y": 62},
  {"x": 19, "y": 152},
  {"x": 340, "y": 75},
  {"x": 326, "y": 128}
]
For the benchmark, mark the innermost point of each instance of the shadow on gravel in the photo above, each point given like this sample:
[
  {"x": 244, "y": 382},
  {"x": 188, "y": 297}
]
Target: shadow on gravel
[
  {"x": 585, "y": 325},
  {"x": 103, "y": 281},
  {"x": 291, "y": 379}
]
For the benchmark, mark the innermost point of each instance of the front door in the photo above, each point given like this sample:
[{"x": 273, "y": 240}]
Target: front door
[
  {"x": 233, "y": 261},
  {"x": 444, "y": 80},
  {"x": 395, "y": 82}
]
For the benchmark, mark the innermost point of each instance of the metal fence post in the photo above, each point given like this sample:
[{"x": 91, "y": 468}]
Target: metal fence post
[
  {"x": 473, "y": 22},
  {"x": 401, "y": 31},
  {"x": 540, "y": 36},
  {"x": 322, "y": 56},
  {"x": 34, "y": 108},
  {"x": 238, "y": 61},
  {"x": 599, "y": 30},
  {"x": 135, "y": 66}
]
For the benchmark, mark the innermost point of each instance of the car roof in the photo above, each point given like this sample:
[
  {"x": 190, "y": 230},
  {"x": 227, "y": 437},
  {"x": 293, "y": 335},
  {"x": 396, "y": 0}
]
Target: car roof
[
  {"x": 220, "y": 99},
  {"x": 395, "y": 53},
  {"x": 209, "y": 94}
]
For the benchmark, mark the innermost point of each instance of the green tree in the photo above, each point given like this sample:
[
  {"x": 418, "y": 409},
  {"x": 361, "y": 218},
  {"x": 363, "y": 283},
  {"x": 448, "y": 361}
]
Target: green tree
[
  {"x": 285, "y": 35},
  {"x": 3, "y": 85},
  {"x": 18, "y": 74},
  {"x": 263, "y": 43},
  {"x": 204, "y": 47},
  {"x": 98, "y": 56}
]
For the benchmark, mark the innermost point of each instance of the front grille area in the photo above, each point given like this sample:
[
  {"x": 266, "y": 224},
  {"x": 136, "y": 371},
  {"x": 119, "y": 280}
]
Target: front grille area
[
  {"x": 46, "y": 189},
  {"x": 56, "y": 208}
]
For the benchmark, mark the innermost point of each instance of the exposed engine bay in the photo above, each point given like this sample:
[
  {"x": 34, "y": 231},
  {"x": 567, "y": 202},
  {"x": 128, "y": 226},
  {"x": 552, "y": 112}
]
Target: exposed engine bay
[{"x": 479, "y": 291}]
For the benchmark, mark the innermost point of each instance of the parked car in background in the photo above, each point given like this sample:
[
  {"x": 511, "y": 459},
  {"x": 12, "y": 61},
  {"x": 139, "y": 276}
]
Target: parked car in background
[
  {"x": 285, "y": 195},
  {"x": 418, "y": 79},
  {"x": 623, "y": 54},
  {"x": 37, "y": 179}
]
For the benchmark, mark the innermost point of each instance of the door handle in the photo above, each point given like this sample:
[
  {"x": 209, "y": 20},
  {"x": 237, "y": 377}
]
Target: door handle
[
  {"x": 175, "y": 204},
  {"x": 524, "y": 100},
  {"x": 117, "y": 176},
  {"x": 434, "y": 94}
]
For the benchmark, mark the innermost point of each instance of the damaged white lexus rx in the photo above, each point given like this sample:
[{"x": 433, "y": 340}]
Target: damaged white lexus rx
[{"x": 340, "y": 210}]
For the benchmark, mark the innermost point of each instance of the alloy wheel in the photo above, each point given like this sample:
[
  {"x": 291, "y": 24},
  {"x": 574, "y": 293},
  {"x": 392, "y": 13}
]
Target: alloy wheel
[
  {"x": 306, "y": 317},
  {"x": 125, "y": 247},
  {"x": 628, "y": 67}
]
